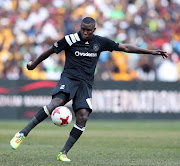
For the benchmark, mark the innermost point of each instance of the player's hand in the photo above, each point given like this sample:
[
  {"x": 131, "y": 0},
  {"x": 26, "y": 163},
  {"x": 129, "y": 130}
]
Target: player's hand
[
  {"x": 30, "y": 66},
  {"x": 161, "y": 53}
]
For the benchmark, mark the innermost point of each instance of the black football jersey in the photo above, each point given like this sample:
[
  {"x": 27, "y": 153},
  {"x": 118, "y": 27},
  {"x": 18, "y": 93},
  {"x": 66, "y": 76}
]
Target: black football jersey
[{"x": 82, "y": 56}]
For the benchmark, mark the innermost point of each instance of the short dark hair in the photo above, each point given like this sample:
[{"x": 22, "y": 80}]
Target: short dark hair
[{"x": 89, "y": 20}]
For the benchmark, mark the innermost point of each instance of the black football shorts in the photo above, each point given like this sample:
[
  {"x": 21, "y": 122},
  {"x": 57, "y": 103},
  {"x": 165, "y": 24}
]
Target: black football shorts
[{"x": 79, "y": 91}]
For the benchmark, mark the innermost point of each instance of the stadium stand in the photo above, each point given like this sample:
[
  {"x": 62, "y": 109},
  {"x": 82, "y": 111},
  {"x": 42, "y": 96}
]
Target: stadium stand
[{"x": 28, "y": 27}]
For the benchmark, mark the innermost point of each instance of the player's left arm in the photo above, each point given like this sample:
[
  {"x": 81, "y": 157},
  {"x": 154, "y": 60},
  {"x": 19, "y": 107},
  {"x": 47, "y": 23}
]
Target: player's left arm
[{"x": 134, "y": 49}]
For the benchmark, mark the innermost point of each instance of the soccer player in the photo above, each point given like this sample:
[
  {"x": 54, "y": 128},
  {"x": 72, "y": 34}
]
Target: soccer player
[{"x": 82, "y": 51}]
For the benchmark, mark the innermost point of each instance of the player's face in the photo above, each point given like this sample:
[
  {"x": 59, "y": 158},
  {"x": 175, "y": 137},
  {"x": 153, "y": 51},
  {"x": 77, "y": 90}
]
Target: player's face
[{"x": 87, "y": 30}]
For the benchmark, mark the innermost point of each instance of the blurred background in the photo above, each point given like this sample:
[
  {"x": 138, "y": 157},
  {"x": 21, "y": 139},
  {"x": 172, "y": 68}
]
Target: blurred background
[{"x": 29, "y": 27}]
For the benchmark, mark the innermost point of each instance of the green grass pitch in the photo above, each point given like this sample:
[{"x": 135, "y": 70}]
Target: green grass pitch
[{"x": 104, "y": 143}]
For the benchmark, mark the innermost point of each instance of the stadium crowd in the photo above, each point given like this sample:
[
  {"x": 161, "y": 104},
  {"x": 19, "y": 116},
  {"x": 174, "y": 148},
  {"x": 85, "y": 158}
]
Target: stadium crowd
[{"x": 28, "y": 27}]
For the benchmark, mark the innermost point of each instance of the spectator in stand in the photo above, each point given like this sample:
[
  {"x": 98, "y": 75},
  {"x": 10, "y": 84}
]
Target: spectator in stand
[
  {"x": 167, "y": 71},
  {"x": 145, "y": 70},
  {"x": 28, "y": 24}
]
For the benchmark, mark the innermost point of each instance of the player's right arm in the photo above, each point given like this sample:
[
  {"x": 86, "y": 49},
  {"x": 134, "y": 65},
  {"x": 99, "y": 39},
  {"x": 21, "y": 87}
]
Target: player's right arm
[
  {"x": 56, "y": 48},
  {"x": 32, "y": 65}
]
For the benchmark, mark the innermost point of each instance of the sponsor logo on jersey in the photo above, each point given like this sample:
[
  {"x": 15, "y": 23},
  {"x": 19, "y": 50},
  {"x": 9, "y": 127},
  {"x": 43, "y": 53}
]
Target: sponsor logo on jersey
[{"x": 77, "y": 53}]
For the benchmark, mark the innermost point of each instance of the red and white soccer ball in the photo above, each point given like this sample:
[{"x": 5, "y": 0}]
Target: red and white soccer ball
[{"x": 61, "y": 116}]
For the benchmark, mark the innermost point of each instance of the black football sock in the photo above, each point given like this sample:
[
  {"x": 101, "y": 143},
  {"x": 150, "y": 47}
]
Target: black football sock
[
  {"x": 39, "y": 117},
  {"x": 73, "y": 137}
]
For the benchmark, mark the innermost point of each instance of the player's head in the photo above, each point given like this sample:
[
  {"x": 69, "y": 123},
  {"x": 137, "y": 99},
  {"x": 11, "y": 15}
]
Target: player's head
[{"x": 87, "y": 28}]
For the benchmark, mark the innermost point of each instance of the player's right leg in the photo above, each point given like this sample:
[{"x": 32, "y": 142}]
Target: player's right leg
[{"x": 38, "y": 118}]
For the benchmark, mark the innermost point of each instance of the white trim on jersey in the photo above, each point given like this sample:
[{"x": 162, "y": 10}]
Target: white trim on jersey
[
  {"x": 68, "y": 40},
  {"x": 46, "y": 111},
  {"x": 88, "y": 100},
  {"x": 77, "y": 37},
  {"x": 72, "y": 38}
]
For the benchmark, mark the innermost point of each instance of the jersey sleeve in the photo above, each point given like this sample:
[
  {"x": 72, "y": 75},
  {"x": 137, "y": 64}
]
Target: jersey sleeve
[
  {"x": 108, "y": 44},
  {"x": 60, "y": 45}
]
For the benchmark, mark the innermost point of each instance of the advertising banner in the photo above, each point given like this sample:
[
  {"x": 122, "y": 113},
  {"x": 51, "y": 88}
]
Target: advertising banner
[{"x": 23, "y": 98}]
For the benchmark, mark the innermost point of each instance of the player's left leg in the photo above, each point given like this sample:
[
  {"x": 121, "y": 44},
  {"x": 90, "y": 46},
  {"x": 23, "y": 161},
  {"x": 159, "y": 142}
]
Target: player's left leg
[{"x": 81, "y": 119}]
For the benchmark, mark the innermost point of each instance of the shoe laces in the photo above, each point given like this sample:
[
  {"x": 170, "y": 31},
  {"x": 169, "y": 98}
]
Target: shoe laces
[
  {"x": 20, "y": 136},
  {"x": 63, "y": 155}
]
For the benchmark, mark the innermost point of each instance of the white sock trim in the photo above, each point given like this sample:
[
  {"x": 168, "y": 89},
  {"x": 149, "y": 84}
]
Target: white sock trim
[
  {"x": 79, "y": 128},
  {"x": 46, "y": 110}
]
